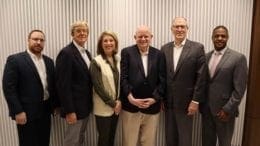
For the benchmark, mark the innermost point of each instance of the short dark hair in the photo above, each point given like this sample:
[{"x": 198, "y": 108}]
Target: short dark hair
[
  {"x": 218, "y": 27},
  {"x": 35, "y": 30},
  {"x": 100, "y": 49}
]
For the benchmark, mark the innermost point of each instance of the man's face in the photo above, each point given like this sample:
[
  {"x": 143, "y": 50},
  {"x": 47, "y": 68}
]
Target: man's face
[
  {"x": 179, "y": 29},
  {"x": 80, "y": 35},
  {"x": 143, "y": 38},
  {"x": 36, "y": 42},
  {"x": 220, "y": 38}
]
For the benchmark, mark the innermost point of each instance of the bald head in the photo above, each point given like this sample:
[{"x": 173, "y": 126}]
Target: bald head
[
  {"x": 143, "y": 28},
  {"x": 143, "y": 37}
]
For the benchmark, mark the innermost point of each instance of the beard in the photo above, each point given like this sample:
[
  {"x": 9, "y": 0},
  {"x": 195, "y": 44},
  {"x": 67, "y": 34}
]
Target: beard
[{"x": 36, "y": 49}]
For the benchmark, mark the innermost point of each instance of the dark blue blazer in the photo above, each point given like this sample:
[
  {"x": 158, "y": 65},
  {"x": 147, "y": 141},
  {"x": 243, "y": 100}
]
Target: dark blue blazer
[
  {"x": 22, "y": 86},
  {"x": 73, "y": 82},
  {"x": 133, "y": 78}
]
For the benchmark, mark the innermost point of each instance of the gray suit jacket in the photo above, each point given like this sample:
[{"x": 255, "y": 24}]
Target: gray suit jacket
[
  {"x": 188, "y": 81},
  {"x": 227, "y": 86}
]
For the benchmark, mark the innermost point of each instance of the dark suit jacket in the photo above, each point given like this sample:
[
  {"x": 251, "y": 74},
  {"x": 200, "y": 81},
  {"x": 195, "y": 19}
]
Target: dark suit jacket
[
  {"x": 133, "y": 78},
  {"x": 187, "y": 82},
  {"x": 74, "y": 85},
  {"x": 22, "y": 86},
  {"x": 228, "y": 84}
]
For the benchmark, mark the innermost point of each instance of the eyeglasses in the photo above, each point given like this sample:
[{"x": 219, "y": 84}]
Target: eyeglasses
[
  {"x": 37, "y": 39},
  {"x": 179, "y": 26},
  {"x": 81, "y": 30}
]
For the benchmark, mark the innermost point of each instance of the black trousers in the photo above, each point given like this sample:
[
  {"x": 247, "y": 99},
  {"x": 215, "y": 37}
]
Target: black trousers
[
  {"x": 106, "y": 127},
  {"x": 35, "y": 132}
]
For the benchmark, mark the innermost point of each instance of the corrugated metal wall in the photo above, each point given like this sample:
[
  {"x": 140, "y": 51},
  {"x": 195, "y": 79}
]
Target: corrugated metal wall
[{"x": 18, "y": 17}]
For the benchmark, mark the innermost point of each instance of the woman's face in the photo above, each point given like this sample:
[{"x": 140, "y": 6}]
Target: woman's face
[{"x": 108, "y": 44}]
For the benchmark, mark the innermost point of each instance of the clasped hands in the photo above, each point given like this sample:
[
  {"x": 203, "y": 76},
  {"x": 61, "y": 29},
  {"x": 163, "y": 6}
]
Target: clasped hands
[{"x": 141, "y": 103}]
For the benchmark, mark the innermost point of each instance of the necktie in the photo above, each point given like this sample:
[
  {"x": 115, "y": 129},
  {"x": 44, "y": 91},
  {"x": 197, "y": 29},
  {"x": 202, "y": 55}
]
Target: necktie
[{"x": 215, "y": 60}]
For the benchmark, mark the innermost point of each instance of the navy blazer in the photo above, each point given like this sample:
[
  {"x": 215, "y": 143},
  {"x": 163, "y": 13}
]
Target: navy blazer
[
  {"x": 133, "y": 78},
  {"x": 22, "y": 86},
  {"x": 73, "y": 82}
]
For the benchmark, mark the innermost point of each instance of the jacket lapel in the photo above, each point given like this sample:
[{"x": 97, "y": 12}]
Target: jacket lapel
[
  {"x": 78, "y": 56},
  {"x": 151, "y": 55},
  {"x": 184, "y": 53},
  {"x": 169, "y": 54},
  {"x": 222, "y": 61},
  {"x": 29, "y": 61},
  {"x": 139, "y": 60},
  {"x": 48, "y": 69},
  {"x": 208, "y": 56}
]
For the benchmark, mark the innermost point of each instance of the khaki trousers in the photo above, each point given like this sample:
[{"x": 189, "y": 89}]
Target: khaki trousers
[{"x": 139, "y": 127}]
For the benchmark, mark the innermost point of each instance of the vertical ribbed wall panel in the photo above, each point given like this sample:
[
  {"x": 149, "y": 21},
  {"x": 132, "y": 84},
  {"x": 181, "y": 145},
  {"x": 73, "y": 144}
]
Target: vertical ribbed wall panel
[{"x": 122, "y": 16}]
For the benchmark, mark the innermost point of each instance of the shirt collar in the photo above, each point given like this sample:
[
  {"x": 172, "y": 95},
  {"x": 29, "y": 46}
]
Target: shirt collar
[
  {"x": 33, "y": 55},
  {"x": 144, "y": 53},
  {"x": 81, "y": 49},
  {"x": 182, "y": 43},
  {"x": 220, "y": 52}
]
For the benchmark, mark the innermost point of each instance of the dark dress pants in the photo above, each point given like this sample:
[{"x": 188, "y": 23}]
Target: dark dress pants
[
  {"x": 106, "y": 127},
  {"x": 178, "y": 128},
  {"x": 35, "y": 132}
]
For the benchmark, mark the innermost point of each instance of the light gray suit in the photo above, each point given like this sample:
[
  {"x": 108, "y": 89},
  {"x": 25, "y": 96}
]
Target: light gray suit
[
  {"x": 225, "y": 91},
  {"x": 184, "y": 84}
]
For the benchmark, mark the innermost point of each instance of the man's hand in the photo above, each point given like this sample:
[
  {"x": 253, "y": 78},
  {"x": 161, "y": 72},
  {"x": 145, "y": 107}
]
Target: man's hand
[
  {"x": 223, "y": 116},
  {"x": 162, "y": 106},
  {"x": 193, "y": 108},
  {"x": 71, "y": 118},
  {"x": 21, "y": 118},
  {"x": 149, "y": 101},
  {"x": 56, "y": 111}
]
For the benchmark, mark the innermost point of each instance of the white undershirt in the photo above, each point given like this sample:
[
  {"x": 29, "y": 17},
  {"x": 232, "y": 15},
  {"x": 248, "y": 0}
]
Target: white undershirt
[
  {"x": 177, "y": 53},
  {"x": 144, "y": 56}
]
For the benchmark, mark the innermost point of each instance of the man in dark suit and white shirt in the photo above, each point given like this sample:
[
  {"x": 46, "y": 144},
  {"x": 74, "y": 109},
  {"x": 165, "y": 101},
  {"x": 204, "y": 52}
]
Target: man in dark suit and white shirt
[
  {"x": 74, "y": 85},
  {"x": 142, "y": 89},
  {"x": 227, "y": 79},
  {"x": 185, "y": 61},
  {"x": 29, "y": 89}
]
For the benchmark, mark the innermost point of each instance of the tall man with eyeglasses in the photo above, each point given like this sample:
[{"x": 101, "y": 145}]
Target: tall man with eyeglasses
[
  {"x": 29, "y": 89},
  {"x": 186, "y": 78}
]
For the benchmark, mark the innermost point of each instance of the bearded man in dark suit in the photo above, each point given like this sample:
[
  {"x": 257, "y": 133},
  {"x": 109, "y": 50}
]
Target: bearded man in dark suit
[{"x": 29, "y": 89}]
